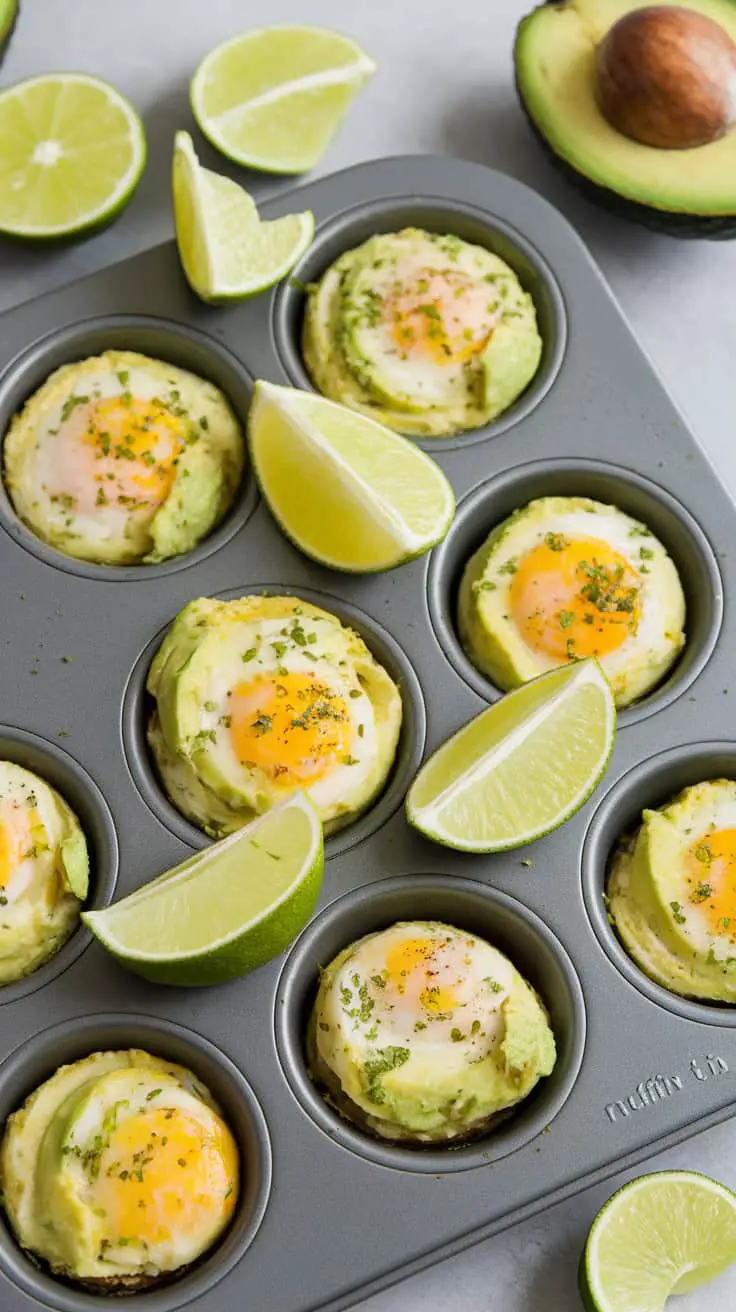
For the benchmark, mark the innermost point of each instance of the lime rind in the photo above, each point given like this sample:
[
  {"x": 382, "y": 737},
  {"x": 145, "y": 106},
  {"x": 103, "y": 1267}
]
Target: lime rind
[
  {"x": 669, "y": 1264},
  {"x": 427, "y": 817},
  {"x": 103, "y": 214}
]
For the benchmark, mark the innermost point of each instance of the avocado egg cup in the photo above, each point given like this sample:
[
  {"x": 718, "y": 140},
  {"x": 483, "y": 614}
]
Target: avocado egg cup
[
  {"x": 566, "y": 578},
  {"x": 118, "y": 1171},
  {"x": 259, "y": 697},
  {"x": 120, "y": 459},
  {"x": 671, "y": 893},
  {"x": 44, "y": 872},
  {"x": 428, "y": 334},
  {"x": 423, "y": 1033}
]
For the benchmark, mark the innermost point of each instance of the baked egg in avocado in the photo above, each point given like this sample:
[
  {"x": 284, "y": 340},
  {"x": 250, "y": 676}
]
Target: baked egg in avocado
[
  {"x": 566, "y": 578},
  {"x": 122, "y": 460},
  {"x": 44, "y": 871},
  {"x": 118, "y": 1170},
  {"x": 672, "y": 892},
  {"x": 426, "y": 1033},
  {"x": 259, "y": 697},
  {"x": 426, "y": 333}
]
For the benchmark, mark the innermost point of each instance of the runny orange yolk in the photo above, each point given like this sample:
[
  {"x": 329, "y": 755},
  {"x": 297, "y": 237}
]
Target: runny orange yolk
[
  {"x": 712, "y": 878},
  {"x": 571, "y": 599},
  {"x": 293, "y": 727},
  {"x": 411, "y": 966},
  {"x": 134, "y": 444},
  {"x": 444, "y": 316},
  {"x": 16, "y": 821},
  {"x": 164, "y": 1174}
]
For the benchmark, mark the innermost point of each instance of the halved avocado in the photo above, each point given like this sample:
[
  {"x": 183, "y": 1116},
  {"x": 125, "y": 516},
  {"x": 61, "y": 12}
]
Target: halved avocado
[
  {"x": 8, "y": 19},
  {"x": 687, "y": 193}
]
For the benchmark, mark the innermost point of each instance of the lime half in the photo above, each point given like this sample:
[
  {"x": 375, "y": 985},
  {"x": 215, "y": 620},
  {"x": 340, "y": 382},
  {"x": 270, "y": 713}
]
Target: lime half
[
  {"x": 72, "y": 151},
  {"x": 662, "y": 1234},
  {"x": 272, "y": 99},
  {"x": 226, "y": 251},
  {"x": 226, "y": 910},
  {"x": 347, "y": 491},
  {"x": 522, "y": 767}
]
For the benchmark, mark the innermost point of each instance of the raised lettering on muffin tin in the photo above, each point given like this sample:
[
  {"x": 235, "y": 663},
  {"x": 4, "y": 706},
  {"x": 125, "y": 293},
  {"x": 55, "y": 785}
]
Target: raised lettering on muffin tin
[{"x": 77, "y": 644}]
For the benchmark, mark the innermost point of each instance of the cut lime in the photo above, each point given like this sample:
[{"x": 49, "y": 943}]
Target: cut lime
[
  {"x": 226, "y": 251},
  {"x": 522, "y": 767},
  {"x": 662, "y": 1234},
  {"x": 8, "y": 19},
  {"x": 272, "y": 99},
  {"x": 347, "y": 491},
  {"x": 72, "y": 151},
  {"x": 226, "y": 910}
]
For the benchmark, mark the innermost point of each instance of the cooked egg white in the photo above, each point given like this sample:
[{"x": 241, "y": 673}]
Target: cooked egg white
[
  {"x": 672, "y": 892},
  {"x": 259, "y": 697},
  {"x": 44, "y": 870},
  {"x": 122, "y": 459},
  {"x": 119, "y": 1169},
  {"x": 567, "y": 578},
  {"x": 426, "y": 1032}
]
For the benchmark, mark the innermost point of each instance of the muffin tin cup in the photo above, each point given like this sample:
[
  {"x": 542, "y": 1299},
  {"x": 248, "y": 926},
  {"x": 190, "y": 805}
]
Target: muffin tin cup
[
  {"x": 649, "y": 785},
  {"x": 137, "y": 706},
  {"x": 490, "y": 503},
  {"x": 163, "y": 339},
  {"x": 73, "y": 783},
  {"x": 37, "y": 1059},
  {"x": 434, "y": 214},
  {"x": 502, "y": 921}
]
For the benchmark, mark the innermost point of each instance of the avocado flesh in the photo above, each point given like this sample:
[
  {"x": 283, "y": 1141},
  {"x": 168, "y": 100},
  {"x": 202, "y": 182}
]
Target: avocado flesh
[
  {"x": 554, "y": 59},
  {"x": 651, "y": 905}
]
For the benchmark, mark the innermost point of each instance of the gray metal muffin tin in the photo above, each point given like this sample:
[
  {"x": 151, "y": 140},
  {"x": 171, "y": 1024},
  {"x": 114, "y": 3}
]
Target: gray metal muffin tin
[{"x": 327, "y": 1213}]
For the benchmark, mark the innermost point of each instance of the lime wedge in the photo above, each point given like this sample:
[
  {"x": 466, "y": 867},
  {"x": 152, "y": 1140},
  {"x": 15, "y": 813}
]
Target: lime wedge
[
  {"x": 226, "y": 251},
  {"x": 662, "y": 1234},
  {"x": 273, "y": 98},
  {"x": 226, "y": 910},
  {"x": 8, "y": 18},
  {"x": 72, "y": 151},
  {"x": 347, "y": 491},
  {"x": 522, "y": 767}
]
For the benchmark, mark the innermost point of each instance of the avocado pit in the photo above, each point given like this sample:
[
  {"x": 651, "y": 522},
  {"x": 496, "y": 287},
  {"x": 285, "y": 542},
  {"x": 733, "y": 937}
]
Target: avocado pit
[{"x": 665, "y": 76}]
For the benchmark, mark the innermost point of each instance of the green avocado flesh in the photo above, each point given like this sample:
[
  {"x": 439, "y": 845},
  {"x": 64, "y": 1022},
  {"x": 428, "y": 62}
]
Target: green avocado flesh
[
  {"x": 555, "y": 57},
  {"x": 668, "y": 898}
]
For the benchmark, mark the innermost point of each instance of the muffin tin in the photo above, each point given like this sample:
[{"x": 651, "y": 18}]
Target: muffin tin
[{"x": 327, "y": 1213}]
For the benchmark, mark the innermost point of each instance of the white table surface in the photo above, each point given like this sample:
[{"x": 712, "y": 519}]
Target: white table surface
[{"x": 444, "y": 85}]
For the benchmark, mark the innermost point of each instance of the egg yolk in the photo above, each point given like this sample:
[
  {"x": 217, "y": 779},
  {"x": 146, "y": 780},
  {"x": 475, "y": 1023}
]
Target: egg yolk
[
  {"x": 444, "y": 316},
  {"x": 164, "y": 1174},
  {"x": 121, "y": 451},
  {"x": 17, "y": 820},
  {"x": 294, "y": 727},
  {"x": 571, "y": 599},
  {"x": 712, "y": 880},
  {"x": 411, "y": 967}
]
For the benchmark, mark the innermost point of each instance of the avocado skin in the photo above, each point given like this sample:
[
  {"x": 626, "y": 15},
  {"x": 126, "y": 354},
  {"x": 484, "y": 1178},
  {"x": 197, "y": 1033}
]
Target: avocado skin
[
  {"x": 7, "y": 31},
  {"x": 717, "y": 227}
]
